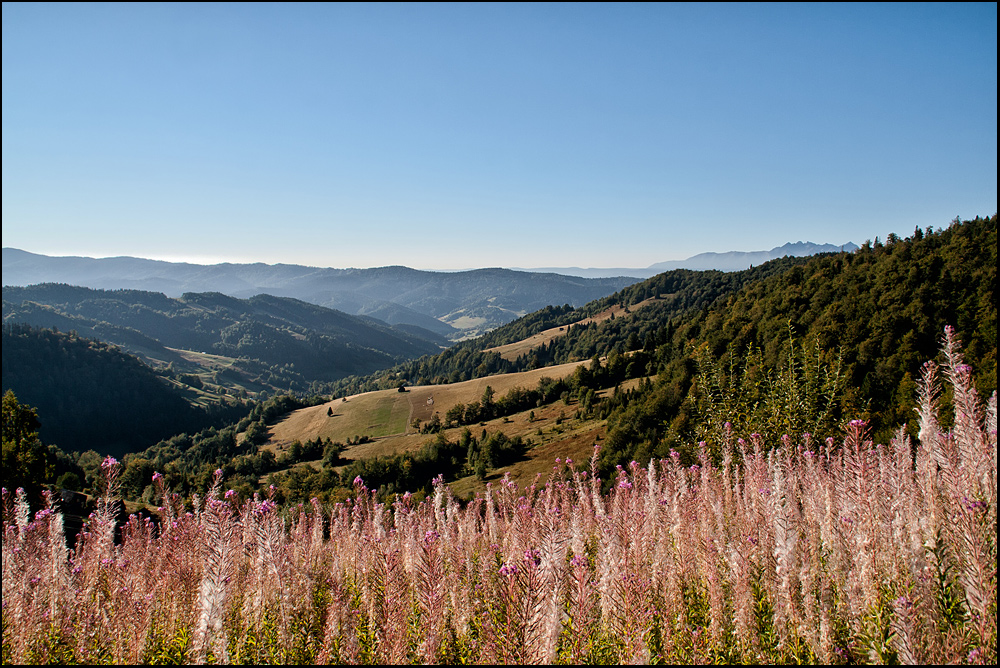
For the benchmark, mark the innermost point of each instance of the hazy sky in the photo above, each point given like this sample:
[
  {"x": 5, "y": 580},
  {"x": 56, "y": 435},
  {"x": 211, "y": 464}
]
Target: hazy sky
[{"x": 443, "y": 136}]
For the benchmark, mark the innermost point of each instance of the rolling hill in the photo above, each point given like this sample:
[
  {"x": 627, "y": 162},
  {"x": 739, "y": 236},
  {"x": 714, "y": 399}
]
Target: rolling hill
[
  {"x": 452, "y": 304},
  {"x": 265, "y": 342},
  {"x": 631, "y": 371},
  {"x": 874, "y": 316}
]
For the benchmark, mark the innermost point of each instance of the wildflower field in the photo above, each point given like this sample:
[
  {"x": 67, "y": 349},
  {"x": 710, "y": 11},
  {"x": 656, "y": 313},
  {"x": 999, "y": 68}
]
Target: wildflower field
[{"x": 795, "y": 551}]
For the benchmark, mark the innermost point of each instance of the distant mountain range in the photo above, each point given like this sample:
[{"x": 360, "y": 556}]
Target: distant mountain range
[
  {"x": 451, "y": 304},
  {"x": 454, "y": 305},
  {"x": 731, "y": 261}
]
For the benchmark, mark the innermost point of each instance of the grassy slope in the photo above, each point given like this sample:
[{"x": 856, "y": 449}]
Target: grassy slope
[
  {"x": 386, "y": 417},
  {"x": 511, "y": 351}
]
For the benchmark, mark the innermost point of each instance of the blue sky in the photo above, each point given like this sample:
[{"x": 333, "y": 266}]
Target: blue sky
[{"x": 443, "y": 136}]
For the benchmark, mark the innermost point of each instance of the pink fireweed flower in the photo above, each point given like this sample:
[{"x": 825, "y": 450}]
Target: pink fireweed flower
[
  {"x": 218, "y": 472},
  {"x": 973, "y": 505},
  {"x": 578, "y": 561},
  {"x": 532, "y": 557},
  {"x": 508, "y": 570},
  {"x": 431, "y": 536},
  {"x": 108, "y": 462},
  {"x": 157, "y": 476},
  {"x": 230, "y": 493}
]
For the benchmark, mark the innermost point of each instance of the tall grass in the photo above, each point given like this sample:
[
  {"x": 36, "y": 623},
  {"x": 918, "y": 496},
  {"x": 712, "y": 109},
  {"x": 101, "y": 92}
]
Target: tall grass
[{"x": 801, "y": 551}]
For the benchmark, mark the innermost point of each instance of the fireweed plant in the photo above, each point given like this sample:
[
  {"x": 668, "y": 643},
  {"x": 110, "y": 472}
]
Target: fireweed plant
[{"x": 777, "y": 552}]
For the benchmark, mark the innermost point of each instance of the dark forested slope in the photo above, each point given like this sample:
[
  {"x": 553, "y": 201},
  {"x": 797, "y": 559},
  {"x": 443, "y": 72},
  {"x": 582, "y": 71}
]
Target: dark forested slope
[
  {"x": 91, "y": 395},
  {"x": 876, "y": 315}
]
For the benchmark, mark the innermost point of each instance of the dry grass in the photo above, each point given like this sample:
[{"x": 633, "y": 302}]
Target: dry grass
[
  {"x": 512, "y": 351},
  {"x": 380, "y": 414},
  {"x": 554, "y": 429},
  {"x": 464, "y": 321},
  {"x": 575, "y": 443},
  {"x": 207, "y": 360}
]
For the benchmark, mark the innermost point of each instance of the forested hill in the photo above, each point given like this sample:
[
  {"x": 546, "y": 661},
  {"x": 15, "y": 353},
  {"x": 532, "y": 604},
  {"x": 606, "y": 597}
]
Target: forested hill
[
  {"x": 885, "y": 306},
  {"x": 91, "y": 395},
  {"x": 881, "y": 309},
  {"x": 677, "y": 292},
  {"x": 291, "y": 343}
]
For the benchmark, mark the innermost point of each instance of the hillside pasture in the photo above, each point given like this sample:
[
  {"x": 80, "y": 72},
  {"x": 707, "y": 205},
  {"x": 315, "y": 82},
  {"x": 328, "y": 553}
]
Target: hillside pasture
[
  {"x": 389, "y": 414},
  {"x": 511, "y": 351},
  {"x": 202, "y": 359},
  {"x": 553, "y": 430}
]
